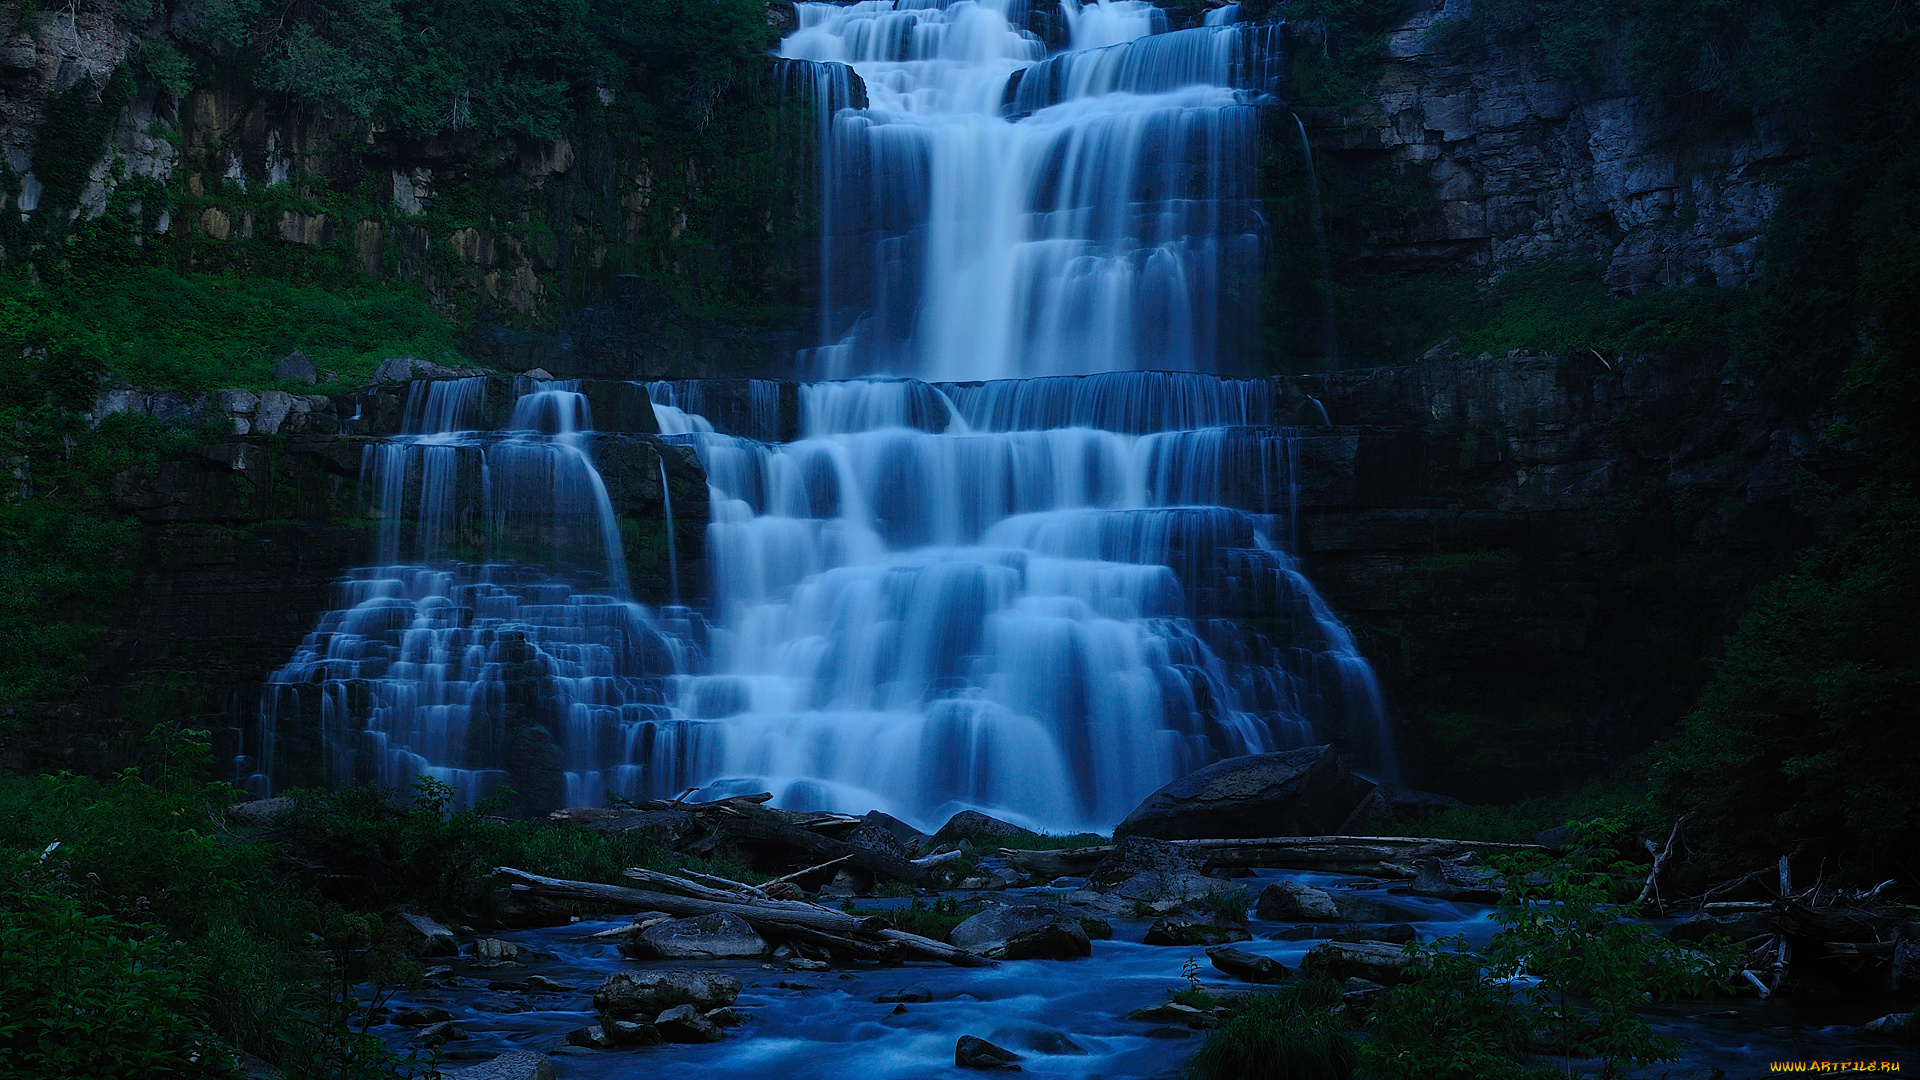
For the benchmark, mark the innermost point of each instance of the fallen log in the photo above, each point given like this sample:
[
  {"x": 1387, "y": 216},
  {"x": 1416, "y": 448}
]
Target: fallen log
[
  {"x": 1364, "y": 856},
  {"x": 779, "y": 919}
]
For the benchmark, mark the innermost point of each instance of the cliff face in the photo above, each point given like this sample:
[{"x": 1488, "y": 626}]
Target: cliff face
[
  {"x": 1539, "y": 553},
  {"x": 1495, "y": 164}
]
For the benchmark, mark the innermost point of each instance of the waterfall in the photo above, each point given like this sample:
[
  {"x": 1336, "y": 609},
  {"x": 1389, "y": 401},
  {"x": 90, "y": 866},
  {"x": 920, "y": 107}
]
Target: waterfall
[
  {"x": 1323, "y": 283},
  {"x": 673, "y": 553},
  {"x": 1043, "y": 565},
  {"x": 993, "y": 212}
]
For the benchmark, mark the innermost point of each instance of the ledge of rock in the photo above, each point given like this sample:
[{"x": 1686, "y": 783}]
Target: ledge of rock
[{"x": 1305, "y": 792}]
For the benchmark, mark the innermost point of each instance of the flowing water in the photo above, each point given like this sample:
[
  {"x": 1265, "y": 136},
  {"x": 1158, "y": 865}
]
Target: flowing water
[{"x": 1042, "y": 597}]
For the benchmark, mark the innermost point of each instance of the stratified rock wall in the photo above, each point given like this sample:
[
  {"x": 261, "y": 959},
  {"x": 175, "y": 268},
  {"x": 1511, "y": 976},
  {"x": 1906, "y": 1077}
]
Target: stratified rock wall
[{"x": 1501, "y": 165}]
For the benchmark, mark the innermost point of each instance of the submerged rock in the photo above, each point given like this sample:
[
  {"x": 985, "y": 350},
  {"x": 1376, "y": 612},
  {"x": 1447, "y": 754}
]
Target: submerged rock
[
  {"x": 1023, "y": 932},
  {"x": 1306, "y": 792},
  {"x": 972, "y": 1052},
  {"x": 646, "y": 994}
]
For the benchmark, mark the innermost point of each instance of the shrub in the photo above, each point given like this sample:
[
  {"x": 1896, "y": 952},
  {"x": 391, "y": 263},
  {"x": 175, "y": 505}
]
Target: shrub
[{"x": 1286, "y": 1034}]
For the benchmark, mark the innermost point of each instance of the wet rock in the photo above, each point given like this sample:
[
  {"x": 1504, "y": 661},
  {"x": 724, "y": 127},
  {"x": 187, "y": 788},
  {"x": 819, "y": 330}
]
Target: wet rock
[
  {"x": 726, "y": 1017},
  {"x": 1175, "y": 931},
  {"x": 1175, "y": 1013},
  {"x": 1133, "y": 856},
  {"x": 1165, "y": 891},
  {"x": 1453, "y": 881},
  {"x": 540, "y": 984},
  {"x": 708, "y": 937},
  {"x": 788, "y": 984},
  {"x": 520, "y": 1065},
  {"x": 496, "y": 949},
  {"x": 421, "y": 1015},
  {"x": 1097, "y": 929},
  {"x": 685, "y": 1024},
  {"x": 1040, "y": 1040},
  {"x": 972, "y": 1052},
  {"x": 1022, "y": 932},
  {"x": 632, "y": 1033},
  {"x": 440, "y": 1034},
  {"x": 1393, "y": 934},
  {"x": 646, "y": 994},
  {"x": 591, "y": 1037},
  {"x": 898, "y": 1010},
  {"x": 1339, "y": 960},
  {"x": 1293, "y": 901},
  {"x": 801, "y": 963},
  {"x": 1242, "y": 964},
  {"x": 979, "y": 830},
  {"x": 296, "y": 367},
  {"x": 421, "y": 936},
  {"x": 916, "y": 995},
  {"x": 1305, "y": 792},
  {"x": 1169, "y": 1033},
  {"x": 1897, "y": 1024}
]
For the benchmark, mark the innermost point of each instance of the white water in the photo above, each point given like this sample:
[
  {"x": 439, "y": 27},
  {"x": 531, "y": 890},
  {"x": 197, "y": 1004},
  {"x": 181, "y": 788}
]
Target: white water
[{"x": 1108, "y": 227}]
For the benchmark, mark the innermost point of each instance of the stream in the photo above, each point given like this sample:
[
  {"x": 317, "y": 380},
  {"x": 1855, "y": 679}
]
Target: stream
[{"x": 1069, "y": 1018}]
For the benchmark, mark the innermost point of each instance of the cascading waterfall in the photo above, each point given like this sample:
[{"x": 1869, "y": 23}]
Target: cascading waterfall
[
  {"x": 1041, "y": 595},
  {"x": 993, "y": 212},
  {"x": 495, "y": 634}
]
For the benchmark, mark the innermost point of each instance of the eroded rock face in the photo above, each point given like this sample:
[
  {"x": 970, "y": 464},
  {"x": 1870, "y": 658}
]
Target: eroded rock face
[
  {"x": 646, "y": 994},
  {"x": 1306, "y": 792},
  {"x": 1023, "y": 932}
]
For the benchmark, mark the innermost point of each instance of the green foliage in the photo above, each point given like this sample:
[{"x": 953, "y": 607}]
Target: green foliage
[
  {"x": 1806, "y": 731},
  {"x": 1564, "y": 925},
  {"x": 1290, "y": 1033},
  {"x": 93, "y": 988},
  {"x": 72, "y": 135},
  {"x": 1449, "y": 1021},
  {"x": 935, "y": 920}
]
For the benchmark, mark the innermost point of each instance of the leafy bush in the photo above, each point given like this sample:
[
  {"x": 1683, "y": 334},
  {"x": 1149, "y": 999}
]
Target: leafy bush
[{"x": 1286, "y": 1034}]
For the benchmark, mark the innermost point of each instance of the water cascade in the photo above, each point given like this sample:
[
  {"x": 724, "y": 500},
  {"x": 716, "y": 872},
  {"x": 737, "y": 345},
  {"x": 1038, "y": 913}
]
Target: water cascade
[{"x": 1047, "y": 575}]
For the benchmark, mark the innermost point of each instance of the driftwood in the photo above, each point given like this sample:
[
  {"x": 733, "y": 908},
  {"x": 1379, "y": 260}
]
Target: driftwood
[
  {"x": 1364, "y": 856},
  {"x": 778, "y": 919},
  {"x": 1661, "y": 856}
]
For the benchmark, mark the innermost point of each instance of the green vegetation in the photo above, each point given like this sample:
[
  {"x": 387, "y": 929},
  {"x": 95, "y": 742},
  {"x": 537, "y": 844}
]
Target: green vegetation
[
  {"x": 134, "y": 897},
  {"x": 1289, "y": 1033},
  {"x": 1563, "y": 922},
  {"x": 935, "y": 920}
]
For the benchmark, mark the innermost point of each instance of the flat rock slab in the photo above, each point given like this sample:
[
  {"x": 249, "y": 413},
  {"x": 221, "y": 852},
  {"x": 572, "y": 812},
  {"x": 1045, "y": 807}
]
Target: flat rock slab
[
  {"x": 1023, "y": 932},
  {"x": 1305, "y": 792},
  {"x": 720, "y": 936}
]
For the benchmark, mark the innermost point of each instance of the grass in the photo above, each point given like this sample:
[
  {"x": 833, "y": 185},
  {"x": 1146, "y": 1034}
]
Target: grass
[
  {"x": 935, "y": 920},
  {"x": 1287, "y": 1034}
]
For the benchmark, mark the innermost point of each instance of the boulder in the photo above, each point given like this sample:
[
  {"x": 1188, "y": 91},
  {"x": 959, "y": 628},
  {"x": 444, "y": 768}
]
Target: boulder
[
  {"x": 718, "y": 936},
  {"x": 1136, "y": 855},
  {"x": 872, "y": 837},
  {"x": 1040, "y": 1040},
  {"x": 972, "y": 1052},
  {"x": 633, "y": 1033},
  {"x": 979, "y": 830},
  {"x": 1177, "y": 931},
  {"x": 422, "y": 936},
  {"x": 519, "y": 1065},
  {"x": 1306, "y": 792},
  {"x": 493, "y": 948},
  {"x": 519, "y": 909},
  {"x": 440, "y": 1034},
  {"x": 1023, "y": 932},
  {"x": 296, "y": 367},
  {"x": 591, "y": 1037},
  {"x": 1166, "y": 890},
  {"x": 1374, "y": 961},
  {"x": 1453, "y": 881},
  {"x": 686, "y": 1024},
  {"x": 908, "y": 995},
  {"x": 1293, "y": 901},
  {"x": 1242, "y": 964},
  {"x": 1891, "y": 1024},
  {"x": 1409, "y": 804},
  {"x": 913, "y": 838},
  {"x": 646, "y": 994},
  {"x": 422, "y": 1016},
  {"x": 1395, "y": 934}
]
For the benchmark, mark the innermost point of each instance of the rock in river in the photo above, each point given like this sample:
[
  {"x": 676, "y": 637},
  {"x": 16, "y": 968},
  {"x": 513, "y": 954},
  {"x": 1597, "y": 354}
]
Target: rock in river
[
  {"x": 1023, "y": 932},
  {"x": 685, "y": 1024},
  {"x": 647, "y": 994},
  {"x": 1305, "y": 792},
  {"x": 718, "y": 936},
  {"x": 1176, "y": 931},
  {"x": 1252, "y": 967},
  {"x": 972, "y": 1052},
  {"x": 520, "y": 1065},
  {"x": 1373, "y": 960}
]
